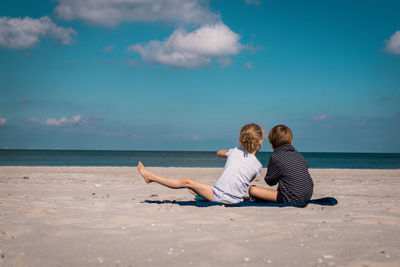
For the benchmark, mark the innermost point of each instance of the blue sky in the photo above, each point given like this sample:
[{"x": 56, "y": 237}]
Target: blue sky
[{"x": 187, "y": 74}]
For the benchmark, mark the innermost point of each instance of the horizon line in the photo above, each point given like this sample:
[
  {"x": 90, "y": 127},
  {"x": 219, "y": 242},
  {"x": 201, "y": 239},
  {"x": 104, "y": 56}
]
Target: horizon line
[{"x": 151, "y": 150}]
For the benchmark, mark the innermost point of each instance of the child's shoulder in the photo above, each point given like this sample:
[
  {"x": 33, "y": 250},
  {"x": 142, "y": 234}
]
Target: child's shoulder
[
  {"x": 240, "y": 152},
  {"x": 238, "y": 149},
  {"x": 287, "y": 155},
  {"x": 284, "y": 149},
  {"x": 233, "y": 149},
  {"x": 285, "y": 152}
]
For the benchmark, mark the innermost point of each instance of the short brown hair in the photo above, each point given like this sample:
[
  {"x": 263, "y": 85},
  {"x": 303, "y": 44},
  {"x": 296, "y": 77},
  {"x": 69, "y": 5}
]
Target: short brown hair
[
  {"x": 280, "y": 135},
  {"x": 250, "y": 136}
]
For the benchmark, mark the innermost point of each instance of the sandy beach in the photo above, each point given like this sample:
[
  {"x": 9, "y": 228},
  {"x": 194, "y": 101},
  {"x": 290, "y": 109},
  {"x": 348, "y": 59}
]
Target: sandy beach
[{"x": 97, "y": 216}]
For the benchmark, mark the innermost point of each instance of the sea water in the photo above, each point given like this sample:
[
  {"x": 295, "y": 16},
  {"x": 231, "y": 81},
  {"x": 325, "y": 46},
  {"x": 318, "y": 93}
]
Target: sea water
[{"x": 201, "y": 159}]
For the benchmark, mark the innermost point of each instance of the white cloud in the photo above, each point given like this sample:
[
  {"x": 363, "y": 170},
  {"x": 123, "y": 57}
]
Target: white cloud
[
  {"x": 321, "y": 117},
  {"x": 387, "y": 98},
  {"x": 33, "y": 119},
  {"x": 25, "y": 32},
  {"x": 212, "y": 40},
  {"x": 253, "y": 2},
  {"x": 393, "y": 44},
  {"x": 131, "y": 63},
  {"x": 64, "y": 121},
  {"x": 24, "y": 100},
  {"x": 97, "y": 117},
  {"x": 26, "y": 55},
  {"x": 361, "y": 123},
  {"x": 224, "y": 62},
  {"x": 191, "y": 49},
  {"x": 249, "y": 65},
  {"x": 109, "y": 48},
  {"x": 111, "y": 13},
  {"x": 2, "y": 121}
]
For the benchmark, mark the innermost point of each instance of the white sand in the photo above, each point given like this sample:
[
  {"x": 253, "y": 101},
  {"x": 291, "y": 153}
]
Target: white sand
[{"x": 86, "y": 216}]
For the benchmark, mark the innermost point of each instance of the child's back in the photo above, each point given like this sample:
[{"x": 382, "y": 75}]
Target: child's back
[
  {"x": 286, "y": 167},
  {"x": 240, "y": 169},
  {"x": 290, "y": 169}
]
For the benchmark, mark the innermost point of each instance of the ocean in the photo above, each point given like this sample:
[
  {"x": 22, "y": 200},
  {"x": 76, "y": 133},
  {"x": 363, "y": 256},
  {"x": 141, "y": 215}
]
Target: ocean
[{"x": 11, "y": 157}]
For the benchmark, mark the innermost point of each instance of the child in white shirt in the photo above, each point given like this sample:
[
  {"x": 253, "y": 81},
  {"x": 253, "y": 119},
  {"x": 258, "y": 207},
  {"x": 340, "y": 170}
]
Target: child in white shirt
[{"x": 241, "y": 168}]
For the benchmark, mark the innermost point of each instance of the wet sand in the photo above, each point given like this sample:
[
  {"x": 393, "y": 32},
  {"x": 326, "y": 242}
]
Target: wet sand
[{"x": 97, "y": 216}]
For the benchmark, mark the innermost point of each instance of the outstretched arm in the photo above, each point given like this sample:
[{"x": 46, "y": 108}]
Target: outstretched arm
[{"x": 222, "y": 153}]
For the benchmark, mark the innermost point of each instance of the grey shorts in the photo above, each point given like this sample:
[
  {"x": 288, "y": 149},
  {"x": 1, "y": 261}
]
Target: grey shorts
[
  {"x": 220, "y": 196},
  {"x": 217, "y": 195}
]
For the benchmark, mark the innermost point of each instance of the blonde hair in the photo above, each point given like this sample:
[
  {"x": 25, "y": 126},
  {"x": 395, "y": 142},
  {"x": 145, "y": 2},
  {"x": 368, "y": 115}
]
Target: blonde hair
[{"x": 250, "y": 136}]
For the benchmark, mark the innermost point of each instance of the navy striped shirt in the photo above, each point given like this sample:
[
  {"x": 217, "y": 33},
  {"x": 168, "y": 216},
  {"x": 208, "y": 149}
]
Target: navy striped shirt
[{"x": 289, "y": 168}]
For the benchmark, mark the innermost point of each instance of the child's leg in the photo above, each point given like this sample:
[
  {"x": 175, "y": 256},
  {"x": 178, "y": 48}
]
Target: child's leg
[
  {"x": 201, "y": 189},
  {"x": 263, "y": 193},
  {"x": 192, "y": 192}
]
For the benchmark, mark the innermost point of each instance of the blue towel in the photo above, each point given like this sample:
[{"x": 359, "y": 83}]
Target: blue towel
[{"x": 201, "y": 202}]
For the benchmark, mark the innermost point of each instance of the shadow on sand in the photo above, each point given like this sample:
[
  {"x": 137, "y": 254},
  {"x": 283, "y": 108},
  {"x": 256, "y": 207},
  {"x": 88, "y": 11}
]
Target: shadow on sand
[{"x": 325, "y": 201}]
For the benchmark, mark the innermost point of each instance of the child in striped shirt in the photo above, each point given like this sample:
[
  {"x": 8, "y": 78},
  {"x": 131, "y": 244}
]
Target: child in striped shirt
[{"x": 287, "y": 168}]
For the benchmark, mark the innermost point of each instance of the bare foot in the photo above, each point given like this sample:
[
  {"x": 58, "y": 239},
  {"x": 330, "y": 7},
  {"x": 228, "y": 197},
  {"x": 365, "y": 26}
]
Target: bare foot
[{"x": 144, "y": 172}]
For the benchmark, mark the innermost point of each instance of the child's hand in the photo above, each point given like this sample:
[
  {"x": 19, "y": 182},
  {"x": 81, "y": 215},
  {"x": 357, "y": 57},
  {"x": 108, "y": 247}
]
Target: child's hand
[{"x": 222, "y": 153}]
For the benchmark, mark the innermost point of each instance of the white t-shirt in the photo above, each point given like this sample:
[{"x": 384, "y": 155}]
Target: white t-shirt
[{"x": 240, "y": 169}]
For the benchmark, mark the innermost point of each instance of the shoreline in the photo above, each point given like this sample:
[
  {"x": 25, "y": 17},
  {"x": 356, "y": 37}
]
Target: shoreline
[
  {"x": 176, "y": 167},
  {"x": 76, "y": 215},
  {"x": 187, "y": 159}
]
